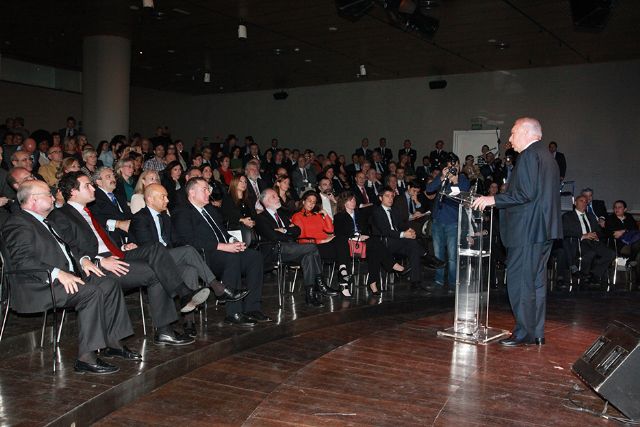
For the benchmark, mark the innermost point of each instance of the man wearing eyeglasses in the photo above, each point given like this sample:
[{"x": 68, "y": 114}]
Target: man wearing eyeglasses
[{"x": 48, "y": 171}]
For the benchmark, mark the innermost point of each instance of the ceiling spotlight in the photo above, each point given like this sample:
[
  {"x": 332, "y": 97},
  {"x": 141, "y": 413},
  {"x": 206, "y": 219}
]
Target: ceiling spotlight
[
  {"x": 207, "y": 77},
  {"x": 242, "y": 32},
  {"x": 147, "y": 4},
  {"x": 307, "y": 60},
  {"x": 363, "y": 71}
]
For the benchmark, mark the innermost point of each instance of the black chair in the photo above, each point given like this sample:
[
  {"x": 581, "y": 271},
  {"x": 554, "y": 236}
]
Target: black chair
[{"x": 45, "y": 275}]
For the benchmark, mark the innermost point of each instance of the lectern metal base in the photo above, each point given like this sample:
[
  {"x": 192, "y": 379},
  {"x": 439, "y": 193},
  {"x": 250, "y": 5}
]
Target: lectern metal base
[{"x": 481, "y": 336}]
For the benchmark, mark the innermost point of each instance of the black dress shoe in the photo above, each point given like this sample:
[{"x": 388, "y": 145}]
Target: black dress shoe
[
  {"x": 189, "y": 329},
  {"x": 172, "y": 339},
  {"x": 123, "y": 353},
  {"x": 258, "y": 316},
  {"x": 232, "y": 296},
  {"x": 539, "y": 341},
  {"x": 100, "y": 367},
  {"x": 190, "y": 302},
  {"x": 403, "y": 273},
  {"x": 514, "y": 341},
  {"x": 310, "y": 297},
  {"x": 324, "y": 289},
  {"x": 433, "y": 262},
  {"x": 239, "y": 319}
]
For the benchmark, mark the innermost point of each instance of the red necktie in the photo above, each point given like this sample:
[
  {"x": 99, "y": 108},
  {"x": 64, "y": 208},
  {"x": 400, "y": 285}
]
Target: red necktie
[
  {"x": 115, "y": 251},
  {"x": 364, "y": 195}
]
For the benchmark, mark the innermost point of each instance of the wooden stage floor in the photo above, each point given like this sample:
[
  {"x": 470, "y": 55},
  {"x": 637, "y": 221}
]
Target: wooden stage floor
[{"x": 395, "y": 371}]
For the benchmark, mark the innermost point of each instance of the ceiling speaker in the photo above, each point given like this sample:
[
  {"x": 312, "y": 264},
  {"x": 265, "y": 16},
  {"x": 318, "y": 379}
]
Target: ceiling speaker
[{"x": 437, "y": 84}]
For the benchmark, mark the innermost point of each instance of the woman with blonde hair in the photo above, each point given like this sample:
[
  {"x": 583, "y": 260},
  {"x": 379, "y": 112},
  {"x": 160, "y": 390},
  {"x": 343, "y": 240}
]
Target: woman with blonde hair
[
  {"x": 147, "y": 178},
  {"x": 69, "y": 164}
]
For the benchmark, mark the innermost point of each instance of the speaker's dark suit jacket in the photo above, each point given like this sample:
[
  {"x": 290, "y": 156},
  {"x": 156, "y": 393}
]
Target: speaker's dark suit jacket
[
  {"x": 103, "y": 209},
  {"x": 148, "y": 266},
  {"x": 102, "y": 315},
  {"x": 530, "y": 219},
  {"x": 190, "y": 228}
]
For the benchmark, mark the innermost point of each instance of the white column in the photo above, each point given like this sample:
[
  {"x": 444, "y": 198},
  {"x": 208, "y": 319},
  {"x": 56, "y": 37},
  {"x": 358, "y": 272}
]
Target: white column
[{"x": 106, "y": 67}]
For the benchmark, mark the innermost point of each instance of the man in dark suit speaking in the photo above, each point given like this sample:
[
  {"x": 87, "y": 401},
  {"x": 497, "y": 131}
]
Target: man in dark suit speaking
[{"x": 529, "y": 222}]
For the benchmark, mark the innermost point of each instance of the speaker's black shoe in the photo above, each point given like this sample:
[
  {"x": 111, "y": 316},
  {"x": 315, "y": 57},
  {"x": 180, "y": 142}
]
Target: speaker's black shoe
[
  {"x": 514, "y": 341},
  {"x": 123, "y": 353},
  {"x": 324, "y": 289},
  {"x": 432, "y": 262},
  {"x": 239, "y": 319},
  {"x": 232, "y": 296},
  {"x": 100, "y": 367},
  {"x": 311, "y": 298},
  {"x": 539, "y": 341}
]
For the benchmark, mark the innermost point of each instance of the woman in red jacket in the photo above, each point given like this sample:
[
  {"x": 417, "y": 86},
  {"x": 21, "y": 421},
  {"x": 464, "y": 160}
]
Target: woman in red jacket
[{"x": 316, "y": 227}]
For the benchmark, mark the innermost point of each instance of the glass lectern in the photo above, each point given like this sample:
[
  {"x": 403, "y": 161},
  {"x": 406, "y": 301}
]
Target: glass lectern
[{"x": 475, "y": 229}]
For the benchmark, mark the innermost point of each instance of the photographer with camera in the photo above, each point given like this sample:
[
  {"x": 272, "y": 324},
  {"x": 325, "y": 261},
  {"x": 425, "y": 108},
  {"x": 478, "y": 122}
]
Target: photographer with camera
[{"x": 445, "y": 218}]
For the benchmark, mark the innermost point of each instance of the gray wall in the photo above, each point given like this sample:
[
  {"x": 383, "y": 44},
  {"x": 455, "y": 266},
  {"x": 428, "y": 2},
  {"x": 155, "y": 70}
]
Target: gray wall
[{"x": 590, "y": 110}]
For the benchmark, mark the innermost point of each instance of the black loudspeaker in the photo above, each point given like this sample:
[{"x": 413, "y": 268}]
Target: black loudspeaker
[
  {"x": 353, "y": 9},
  {"x": 611, "y": 366},
  {"x": 437, "y": 84},
  {"x": 280, "y": 96},
  {"x": 591, "y": 15}
]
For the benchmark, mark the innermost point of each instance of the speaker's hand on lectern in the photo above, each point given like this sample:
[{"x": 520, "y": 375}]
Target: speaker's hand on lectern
[{"x": 482, "y": 202}]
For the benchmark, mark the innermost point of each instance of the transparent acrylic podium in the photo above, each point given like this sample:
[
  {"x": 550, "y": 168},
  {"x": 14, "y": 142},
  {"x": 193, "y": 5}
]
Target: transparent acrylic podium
[{"x": 475, "y": 230}]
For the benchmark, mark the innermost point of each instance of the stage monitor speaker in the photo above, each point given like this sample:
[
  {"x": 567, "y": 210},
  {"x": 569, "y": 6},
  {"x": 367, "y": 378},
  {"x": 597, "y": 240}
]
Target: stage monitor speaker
[
  {"x": 611, "y": 366},
  {"x": 353, "y": 9},
  {"x": 591, "y": 15},
  {"x": 437, "y": 84}
]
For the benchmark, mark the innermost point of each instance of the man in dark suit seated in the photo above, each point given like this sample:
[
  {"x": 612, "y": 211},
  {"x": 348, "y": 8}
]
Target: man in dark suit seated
[
  {"x": 378, "y": 163},
  {"x": 32, "y": 243},
  {"x": 152, "y": 225},
  {"x": 399, "y": 238},
  {"x": 410, "y": 209},
  {"x": 595, "y": 208},
  {"x": 582, "y": 229},
  {"x": 111, "y": 210},
  {"x": 132, "y": 266},
  {"x": 199, "y": 225},
  {"x": 274, "y": 225}
]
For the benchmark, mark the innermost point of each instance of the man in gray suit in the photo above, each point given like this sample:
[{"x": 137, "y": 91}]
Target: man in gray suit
[{"x": 529, "y": 222}]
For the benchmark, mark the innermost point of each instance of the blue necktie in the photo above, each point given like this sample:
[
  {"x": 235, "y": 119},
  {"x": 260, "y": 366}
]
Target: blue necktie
[{"x": 113, "y": 199}]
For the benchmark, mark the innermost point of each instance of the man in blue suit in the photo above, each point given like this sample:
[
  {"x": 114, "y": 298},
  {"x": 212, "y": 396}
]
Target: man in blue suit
[{"x": 529, "y": 222}]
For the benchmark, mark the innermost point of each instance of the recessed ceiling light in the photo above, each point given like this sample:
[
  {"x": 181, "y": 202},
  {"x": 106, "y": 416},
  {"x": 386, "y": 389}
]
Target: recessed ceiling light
[
  {"x": 178, "y": 74},
  {"x": 491, "y": 40},
  {"x": 134, "y": 7},
  {"x": 221, "y": 88},
  {"x": 333, "y": 28},
  {"x": 297, "y": 49},
  {"x": 307, "y": 60},
  {"x": 140, "y": 53},
  {"x": 171, "y": 51},
  {"x": 277, "y": 51}
]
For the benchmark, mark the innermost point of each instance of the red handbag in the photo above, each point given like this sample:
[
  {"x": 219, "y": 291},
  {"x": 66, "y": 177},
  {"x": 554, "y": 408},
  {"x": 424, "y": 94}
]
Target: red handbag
[{"x": 357, "y": 248}]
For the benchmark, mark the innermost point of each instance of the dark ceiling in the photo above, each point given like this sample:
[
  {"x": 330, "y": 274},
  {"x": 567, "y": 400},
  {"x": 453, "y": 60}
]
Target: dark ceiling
[{"x": 291, "y": 43}]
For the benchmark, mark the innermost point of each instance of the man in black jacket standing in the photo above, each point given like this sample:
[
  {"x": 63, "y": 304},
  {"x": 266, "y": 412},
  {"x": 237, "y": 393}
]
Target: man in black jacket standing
[{"x": 529, "y": 222}]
